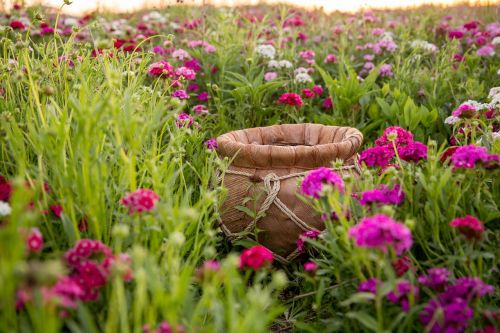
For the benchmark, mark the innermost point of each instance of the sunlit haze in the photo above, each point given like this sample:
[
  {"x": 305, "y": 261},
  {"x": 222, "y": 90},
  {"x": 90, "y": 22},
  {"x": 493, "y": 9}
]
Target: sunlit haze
[{"x": 82, "y": 6}]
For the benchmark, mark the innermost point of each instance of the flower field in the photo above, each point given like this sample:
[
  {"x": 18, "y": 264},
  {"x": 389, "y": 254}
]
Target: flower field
[{"x": 109, "y": 191}]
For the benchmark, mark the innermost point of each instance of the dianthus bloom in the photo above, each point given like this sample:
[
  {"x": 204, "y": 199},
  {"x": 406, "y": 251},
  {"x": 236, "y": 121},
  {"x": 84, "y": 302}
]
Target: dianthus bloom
[
  {"x": 310, "y": 266},
  {"x": 269, "y": 76},
  {"x": 468, "y": 156},
  {"x": 34, "y": 241},
  {"x": 465, "y": 110},
  {"x": 311, "y": 234},
  {"x": 486, "y": 51},
  {"x": 17, "y": 25},
  {"x": 397, "y": 134},
  {"x": 402, "y": 265},
  {"x": 186, "y": 73},
  {"x": 183, "y": 120},
  {"x": 211, "y": 144},
  {"x": 450, "y": 317},
  {"x": 381, "y": 232},
  {"x": 208, "y": 268},
  {"x": 469, "y": 226},
  {"x": 200, "y": 109},
  {"x": 290, "y": 99},
  {"x": 383, "y": 195},
  {"x": 313, "y": 182},
  {"x": 330, "y": 58},
  {"x": 308, "y": 93},
  {"x": 180, "y": 94},
  {"x": 436, "y": 278},
  {"x": 385, "y": 71},
  {"x": 256, "y": 257},
  {"x": 368, "y": 286},
  {"x": 5, "y": 189},
  {"x": 161, "y": 68},
  {"x": 377, "y": 156},
  {"x": 402, "y": 295},
  {"x": 142, "y": 200},
  {"x": 413, "y": 152}
]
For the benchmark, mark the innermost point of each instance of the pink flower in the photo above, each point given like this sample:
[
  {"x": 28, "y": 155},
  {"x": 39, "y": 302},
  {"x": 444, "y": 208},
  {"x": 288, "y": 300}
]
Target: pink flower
[
  {"x": 34, "y": 240},
  {"x": 181, "y": 55},
  {"x": 400, "y": 137},
  {"x": 161, "y": 68},
  {"x": 185, "y": 72},
  {"x": 312, "y": 184},
  {"x": 290, "y": 99},
  {"x": 318, "y": 90},
  {"x": 310, "y": 266},
  {"x": 401, "y": 295},
  {"x": 486, "y": 51},
  {"x": 256, "y": 257},
  {"x": 471, "y": 25},
  {"x": 377, "y": 156},
  {"x": 183, "y": 120},
  {"x": 465, "y": 110},
  {"x": 203, "y": 96},
  {"x": 208, "y": 268},
  {"x": 307, "y": 93},
  {"x": 468, "y": 226},
  {"x": 142, "y": 200},
  {"x": 309, "y": 54},
  {"x": 5, "y": 189},
  {"x": 312, "y": 234},
  {"x": 57, "y": 210},
  {"x": 378, "y": 31},
  {"x": 385, "y": 71},
  {"x": 269, "y": 76},
  {"x": 413, "y": 152},
  {"x": 200, "y": 109},
  {"x": 436, "y": 278},
  {"x": 455, "y": 34},
  {"x": 330, "y": 58},
  {"x": 381, "y": 232},
  {"x": 67, "y": 291}
]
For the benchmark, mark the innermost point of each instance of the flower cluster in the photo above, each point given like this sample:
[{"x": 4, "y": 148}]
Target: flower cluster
[
  {"x": 313, "y": 183},
  {"x": 256, "y": 257},
  {"x": 311, "y": 234},
  {"x": 383, "y": 195},
  {"x": 381, "y": 232},
  {"x": 291, "y": 99},
  {"x": 139, "y": 201},
  {"x": 469, "y": 226},
  {"x": 468, "y": 157}
]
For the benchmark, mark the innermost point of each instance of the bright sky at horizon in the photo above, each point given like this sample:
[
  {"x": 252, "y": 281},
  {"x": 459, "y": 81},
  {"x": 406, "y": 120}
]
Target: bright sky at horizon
[{"x": 83, "y": 6}]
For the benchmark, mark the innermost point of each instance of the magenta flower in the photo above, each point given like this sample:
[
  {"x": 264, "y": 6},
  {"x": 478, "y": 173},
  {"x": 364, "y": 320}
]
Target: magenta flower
[
  {"x": 142, "y": 200},
  {"x": 311, "y": 234},
  {"x": 381, "y": 232},
  {"x": 402, "y": 265},
  {"x": 455, "y": 34},
  {"x": 312, "y": 184},
  {"x": 369, "y": 286},
  {"x": 378, "y": 156},
  {"x": 437, "y": 278},
  {"x": 203, "y": 96},
  {"x": 400, "y": 137},
  {"x": 67, "y": 291},
  {"x": 449, "y": 317},
  {"x": 383, "y": 195},
  {"x": 327, "y": 103},
  {"x": 183, "y": 120},
  {"x": 330, "y": 58},
  {"x": 468, "y": 156},
  {"x": 413, "y": 152},
  {"x": 34, "y": 241},
  {"x": 468, "y": 226},
  {"x": 310, "y": 266},
  {"x": 318, "y": 90},
  {"x": 180, "y": 94},
  {"x": 402, "y": 294},
  {"x": 200, "y": 109},
  {"x": 307, "y": 93},
  {"x": 211, "y": 144},
  {"x": 290, "y": 99},
  {"x": 256, "y": 257}
]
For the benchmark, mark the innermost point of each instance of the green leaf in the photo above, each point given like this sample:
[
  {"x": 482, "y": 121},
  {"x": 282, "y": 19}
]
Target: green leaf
[
  {"x": 365, "y": 319},
  {"x": 357, "y": 298},
  {"x": 247, "y": 211}
]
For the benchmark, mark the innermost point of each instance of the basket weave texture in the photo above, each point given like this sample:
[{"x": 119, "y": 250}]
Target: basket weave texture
[{"x": 267, "y": 165}]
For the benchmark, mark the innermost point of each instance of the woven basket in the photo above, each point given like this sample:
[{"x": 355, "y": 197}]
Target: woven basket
[{"x": 263, "y": 179}]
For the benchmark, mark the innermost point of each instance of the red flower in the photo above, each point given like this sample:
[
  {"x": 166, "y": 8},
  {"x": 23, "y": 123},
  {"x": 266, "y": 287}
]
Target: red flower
[
  {"x": 468, "y": 226},
  {"x": 5, "y": 189},
  {"x": 57, "y": 210},
  {"x": 17, "y": 25},
  {"x": 290, "y": 99},
  {"x": 256, "y": 257},
  {"x": 402, "y": 265},
  {"x": 446, "y": 155}
]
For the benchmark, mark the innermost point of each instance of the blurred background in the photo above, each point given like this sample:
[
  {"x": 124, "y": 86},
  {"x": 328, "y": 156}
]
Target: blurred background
[{"x": 83, "y": 6}]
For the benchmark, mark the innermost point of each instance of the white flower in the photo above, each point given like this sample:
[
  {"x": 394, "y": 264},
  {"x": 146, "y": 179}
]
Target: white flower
[
  {"x": 285, "y": 64},
  {"x": 300, "y": 70},
  {"x": 70, "y": 21},
  {"x": 424, "y": 45},
  {"x": 478, "y": 106},
  {"x": 4, "y": 209},
  {"x": 494, "y": 92},
  {"x": 495, "y": 135},
  {"x": 303, "y": 78},
  {"x": 498, "y": 72},
  {"x": 273, "y": 64},
  {"x": 451, "y": 120},
  {"x": 387, "y": 36},
  {"x": 174, "y": 25},
  {"x": 496, "y": 40},
  {"x": 266, "y": 51}
]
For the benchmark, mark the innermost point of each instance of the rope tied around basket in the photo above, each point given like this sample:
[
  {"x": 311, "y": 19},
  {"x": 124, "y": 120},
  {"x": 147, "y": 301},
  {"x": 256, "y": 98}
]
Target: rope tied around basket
[{"x": 272, "y": 186}]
